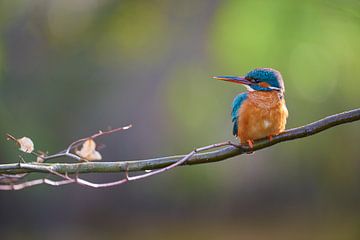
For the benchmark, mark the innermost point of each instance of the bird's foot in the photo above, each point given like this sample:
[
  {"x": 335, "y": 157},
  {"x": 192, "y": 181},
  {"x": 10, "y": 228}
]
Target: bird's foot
[
  {"x": 251, "y": 146},
  {"x": 250, "y": 143}
]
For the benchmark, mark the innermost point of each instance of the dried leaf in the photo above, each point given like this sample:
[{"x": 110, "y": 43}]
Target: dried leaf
[
  {"x": 26, "y": 144},
  {"x": 95, "y": 155},
  {"x": 40, "y": 157},
  {"x": 88, "y": 151}
]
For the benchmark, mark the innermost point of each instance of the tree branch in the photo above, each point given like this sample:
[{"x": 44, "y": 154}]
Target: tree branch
[{"x": 228, "y": 150}]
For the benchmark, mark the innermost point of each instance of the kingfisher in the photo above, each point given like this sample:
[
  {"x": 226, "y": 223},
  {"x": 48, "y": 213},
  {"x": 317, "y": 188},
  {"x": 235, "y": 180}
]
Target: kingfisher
[{"x": 261, "y": 111}]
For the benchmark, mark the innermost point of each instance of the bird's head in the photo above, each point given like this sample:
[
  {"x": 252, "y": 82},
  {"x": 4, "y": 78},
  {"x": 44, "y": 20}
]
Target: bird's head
[{"x": 259, "y": 79}]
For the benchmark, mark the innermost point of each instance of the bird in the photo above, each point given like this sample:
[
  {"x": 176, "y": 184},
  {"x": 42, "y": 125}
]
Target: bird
[{"x": 261, "y": 111}]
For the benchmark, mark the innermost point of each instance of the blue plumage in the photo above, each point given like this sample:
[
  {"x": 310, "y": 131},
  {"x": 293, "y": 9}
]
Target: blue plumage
[
  {"x": 259, "y": 119},
  {"x": 238, "y": 100},
  {"x": 269, "y": 75}
]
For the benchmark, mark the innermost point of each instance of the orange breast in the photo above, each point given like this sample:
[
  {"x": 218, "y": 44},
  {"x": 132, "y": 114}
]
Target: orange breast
[{"x": 262, "y": 114}]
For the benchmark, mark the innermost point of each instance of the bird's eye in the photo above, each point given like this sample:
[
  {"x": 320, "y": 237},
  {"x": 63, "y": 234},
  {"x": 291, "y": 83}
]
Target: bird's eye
[{"x": 254, "y": 80}]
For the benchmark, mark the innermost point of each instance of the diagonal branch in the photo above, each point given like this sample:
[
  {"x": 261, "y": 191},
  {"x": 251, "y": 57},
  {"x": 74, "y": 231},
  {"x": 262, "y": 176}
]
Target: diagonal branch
[{"x": 228, "y": 150}]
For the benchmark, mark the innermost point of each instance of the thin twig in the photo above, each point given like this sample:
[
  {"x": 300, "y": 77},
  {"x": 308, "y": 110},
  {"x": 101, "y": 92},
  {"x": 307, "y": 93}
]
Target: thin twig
[
  {"x": 75, "y": 144},
  {"x": 68, "y": 180},
  {"x": 227, "y": 150},
  {"x": 208, "y": 157},
  {"x": 96, "y": 135}
]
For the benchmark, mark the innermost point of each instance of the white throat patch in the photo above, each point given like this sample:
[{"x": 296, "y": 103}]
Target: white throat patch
[{"x": 249, "y": 88}]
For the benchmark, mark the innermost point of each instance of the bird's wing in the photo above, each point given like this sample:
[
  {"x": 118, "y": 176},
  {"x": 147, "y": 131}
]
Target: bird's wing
[{"x": 238, "y": 100}]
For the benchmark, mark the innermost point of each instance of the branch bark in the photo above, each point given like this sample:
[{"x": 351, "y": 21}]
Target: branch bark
[{"x": 199, "y": 158}]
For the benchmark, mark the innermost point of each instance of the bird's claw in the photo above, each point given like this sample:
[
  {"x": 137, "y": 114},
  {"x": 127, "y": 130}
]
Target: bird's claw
[{"x": 251, "y": 146}]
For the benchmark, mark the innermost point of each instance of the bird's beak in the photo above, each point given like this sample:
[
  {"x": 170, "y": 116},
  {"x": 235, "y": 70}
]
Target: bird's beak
[{"x": 234, "y": 79}]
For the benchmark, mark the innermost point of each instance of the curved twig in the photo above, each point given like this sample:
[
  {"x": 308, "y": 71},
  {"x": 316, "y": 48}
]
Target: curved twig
[{"x": 195, "y": 158}]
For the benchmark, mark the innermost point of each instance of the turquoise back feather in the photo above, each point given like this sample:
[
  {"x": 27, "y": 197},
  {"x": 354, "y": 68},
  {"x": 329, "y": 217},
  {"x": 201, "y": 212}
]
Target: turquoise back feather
[{"x": 238, "y": 101}]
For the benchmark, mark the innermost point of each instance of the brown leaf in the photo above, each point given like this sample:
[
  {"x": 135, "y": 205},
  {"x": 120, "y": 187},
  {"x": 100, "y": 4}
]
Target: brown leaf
[
  {"x": 88, "y": 151},
  {"x": 26, "y": 144}
]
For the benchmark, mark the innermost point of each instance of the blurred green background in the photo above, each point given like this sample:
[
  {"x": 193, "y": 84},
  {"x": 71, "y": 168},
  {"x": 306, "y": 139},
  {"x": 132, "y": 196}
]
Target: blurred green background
[{"x": 69, "y": 68}]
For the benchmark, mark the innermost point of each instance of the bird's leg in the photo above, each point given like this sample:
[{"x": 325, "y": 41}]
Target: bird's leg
[
  {"x": 251, "y": 146},
  {"x": 250, "y": 143},
  {"x": 270, "y": 137}
]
